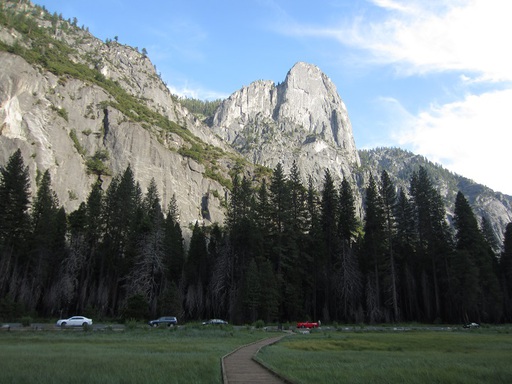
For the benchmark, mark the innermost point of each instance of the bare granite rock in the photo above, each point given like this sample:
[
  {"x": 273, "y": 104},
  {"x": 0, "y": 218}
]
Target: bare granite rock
[{"x": 302, "y": 119}]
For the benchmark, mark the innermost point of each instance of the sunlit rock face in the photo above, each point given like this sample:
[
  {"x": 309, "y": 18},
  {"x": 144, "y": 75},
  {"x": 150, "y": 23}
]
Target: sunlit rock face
[{"x": 302, "y": 119}]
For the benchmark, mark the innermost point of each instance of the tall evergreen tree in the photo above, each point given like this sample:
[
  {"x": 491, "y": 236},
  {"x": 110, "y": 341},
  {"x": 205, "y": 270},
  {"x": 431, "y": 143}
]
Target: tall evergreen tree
[
  {"x": 314, "y": 248},
  {"x": 295, "y": 258},
  {"x": 83, "y": 279},
  {"x": 123, "y": 213},
  {"x": 47, "y": 238},
  {"x": 468, "y": 237},
  {"x": 434, "y": 243},
  {"x": 196, "y": 275},
  {"x": 280, "y": 214},
  {"x": 405, "y": 250},
  {"x": 147, "y": 275},
  {"x": 479, "y": 295},
  {"x": 263, "y": 222},
  {"x": 373, "y": 250},
  {"x": 489, "y": 235},
  {"x": 388, "y": 194},
  {"x": 330, "y": 251},
  {"x": 173, "y": 243},
  {"x": 349, "y": 282},
  {"x": 506, "y": 272},
  {"x": 14, "y": 224}
]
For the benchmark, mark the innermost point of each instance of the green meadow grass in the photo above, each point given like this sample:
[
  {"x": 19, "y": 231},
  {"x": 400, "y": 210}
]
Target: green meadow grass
[
  {"x": 417, "y": 357},
  {"x": 188, "y": 355}
]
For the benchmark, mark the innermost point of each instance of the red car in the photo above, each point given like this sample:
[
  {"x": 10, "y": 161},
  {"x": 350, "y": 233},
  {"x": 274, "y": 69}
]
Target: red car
[{"x": 307, "y": 324}]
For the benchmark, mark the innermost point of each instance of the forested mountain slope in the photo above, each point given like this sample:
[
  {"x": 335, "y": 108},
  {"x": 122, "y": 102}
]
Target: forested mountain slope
[{"x": 496, "y": 207}]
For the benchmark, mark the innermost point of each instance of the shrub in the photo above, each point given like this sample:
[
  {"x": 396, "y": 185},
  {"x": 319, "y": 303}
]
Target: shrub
[
  {"x": 87, "y": 327},
  {"x": 26, "y": 321},
  {"x": 136, "y": 308},
  {"x": 76, "y": 142},
  {"x": 131, "y": 324},
  {"x": 95, "y": 164}
]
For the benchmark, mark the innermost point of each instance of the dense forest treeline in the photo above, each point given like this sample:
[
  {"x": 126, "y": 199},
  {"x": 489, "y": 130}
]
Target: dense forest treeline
[{"x": 285, "y": 252}]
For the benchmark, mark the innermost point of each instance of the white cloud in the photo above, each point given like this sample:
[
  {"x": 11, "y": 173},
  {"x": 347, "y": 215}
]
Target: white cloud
[
  {"x": 471, "y": 35},
  {"x": 470, "y": 137},
  {"x": 420, "y": 36}
]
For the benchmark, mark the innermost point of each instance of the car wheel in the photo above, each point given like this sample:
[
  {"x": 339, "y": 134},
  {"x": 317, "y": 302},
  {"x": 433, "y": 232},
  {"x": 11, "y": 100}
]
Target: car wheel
[
  {"x": 63, "y": 324},
  {"x": 84, "y": 324},
  {"x": 155, "y": 325}
]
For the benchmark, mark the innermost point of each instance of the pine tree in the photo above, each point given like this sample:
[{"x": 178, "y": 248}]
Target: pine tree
[
  {"x": 45, "y": 238},
  {"x": 405, "y": 250},
  {"x": 196, "y": 275},
  {"x": 434, "y": 244},
  {"x": 373, "y": 250},
  {"x": 506, "y": 272},
  {"x": 263, "y": 222},
  {"x": 14, "y": 223},
  {"x": 349, "y": 284},
  {"x": 295, "y": 259},
  {"x": 173, "y": 243},
  {"x": 123, "y": 214},
  {"x": 489, "y": 235},
  {"x": 467, "y": 286},
  {"x": 388, "y": 194},
  {"x": 348, "y": 222},
  {"x": 314, "y": 248},
  {"x": 280, "y": 214},
  {"x": 330, "y": 252},
  {"x": 83, "y": 280},
  {"x": 146, "y": 277},
  {"x": 478, "y": 284}
]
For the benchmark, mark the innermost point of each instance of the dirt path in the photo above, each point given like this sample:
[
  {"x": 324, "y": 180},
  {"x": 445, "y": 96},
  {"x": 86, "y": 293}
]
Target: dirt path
[{"x": 239, "y": 366}]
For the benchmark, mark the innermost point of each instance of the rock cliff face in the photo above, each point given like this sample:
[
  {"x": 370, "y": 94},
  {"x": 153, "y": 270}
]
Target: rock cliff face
[
  {"x": 60, "y": 120},
  {"x": 302, "y": 119},
  {"x": 30, "y": 120}
]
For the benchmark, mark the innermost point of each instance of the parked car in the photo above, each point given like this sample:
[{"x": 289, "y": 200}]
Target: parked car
[
  {"x": 307, "y": 324},
  {"x": 165, "y": 320},
  {"x": 215, "y": 322},
  {"x": 471, "y": 325},
  {"x": 75, "y": 321}
]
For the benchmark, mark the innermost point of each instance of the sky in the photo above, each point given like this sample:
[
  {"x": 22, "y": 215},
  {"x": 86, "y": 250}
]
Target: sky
[{"x": 432, "y": 77}]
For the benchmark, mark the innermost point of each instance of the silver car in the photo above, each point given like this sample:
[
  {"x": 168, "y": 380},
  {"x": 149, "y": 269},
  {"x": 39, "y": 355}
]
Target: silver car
[{"x": 75, "y": 321}]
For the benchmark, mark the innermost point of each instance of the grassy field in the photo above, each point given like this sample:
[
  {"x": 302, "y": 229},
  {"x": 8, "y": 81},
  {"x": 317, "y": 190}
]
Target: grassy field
[
  {"x": 466, "y": 357},
  {"x": 186, "y": 355},
  {"x": 191, "y": 354}
]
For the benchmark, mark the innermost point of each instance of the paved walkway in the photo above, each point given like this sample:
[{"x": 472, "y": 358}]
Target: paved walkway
[{"x": 239, "y": 366}]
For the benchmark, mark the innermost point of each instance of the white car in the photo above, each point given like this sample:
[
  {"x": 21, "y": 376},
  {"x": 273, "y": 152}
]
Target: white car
[
  {"x": 75, "y": 321},
  {"x": 215, "y": 322}
]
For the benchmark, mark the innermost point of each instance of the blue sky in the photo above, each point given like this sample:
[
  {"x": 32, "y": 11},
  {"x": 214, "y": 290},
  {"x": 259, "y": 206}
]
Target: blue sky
[{"x": 433, "y": 77}]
